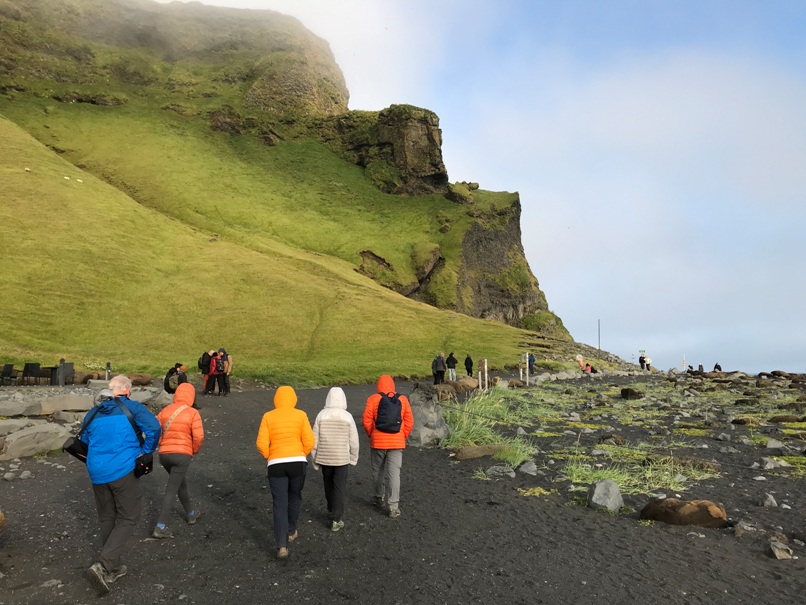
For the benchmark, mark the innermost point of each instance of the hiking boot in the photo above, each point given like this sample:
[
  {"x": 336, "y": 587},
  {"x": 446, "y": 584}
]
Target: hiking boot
[
  {"x": 111, "y": 576},
  {"x": 394, "y": 513},
  {"x": 97, "y": 575},
  {"x": 162, "y": 533},
  {"x": 337, "y": 525},
  {"x": 282, "y": 553},
  {"x": 377, "y": 501},
  {"x": 293, "y": 536},
  {"x": 193, "y": 517}
]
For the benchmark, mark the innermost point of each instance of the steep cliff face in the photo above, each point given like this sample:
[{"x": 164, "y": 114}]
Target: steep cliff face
[{"x": 496, "y": 281}]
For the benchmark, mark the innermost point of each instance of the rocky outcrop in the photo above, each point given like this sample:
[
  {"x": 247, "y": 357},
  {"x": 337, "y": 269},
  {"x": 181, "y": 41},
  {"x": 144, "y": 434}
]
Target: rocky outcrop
[
  {"x": 400, "y": 147},
  {"x": 429, "y": 425},
  {"x": 495, "y": 281}
]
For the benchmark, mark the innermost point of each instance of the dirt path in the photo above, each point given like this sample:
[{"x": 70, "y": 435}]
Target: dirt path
[{"x": 459, "y": 540}]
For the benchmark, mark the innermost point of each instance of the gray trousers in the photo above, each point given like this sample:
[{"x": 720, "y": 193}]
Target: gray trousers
[
  {"x": 386, "y": 473},
  {"x": 119, "y": 505},
  {"x": 177, "y": 466}
]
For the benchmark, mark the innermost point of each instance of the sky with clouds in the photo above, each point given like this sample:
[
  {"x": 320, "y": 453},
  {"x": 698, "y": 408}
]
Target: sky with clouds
[{"x": 659, "y": 149}]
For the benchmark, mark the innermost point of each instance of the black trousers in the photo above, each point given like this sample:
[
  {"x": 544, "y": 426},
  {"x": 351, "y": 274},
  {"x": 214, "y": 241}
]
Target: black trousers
[
  {"x": 286, "y": 480},
  {"x": 335, "y": 479}
]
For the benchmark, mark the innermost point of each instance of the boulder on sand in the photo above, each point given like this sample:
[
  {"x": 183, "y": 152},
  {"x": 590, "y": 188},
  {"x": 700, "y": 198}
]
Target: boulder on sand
[{"x": 702, "y": 513}]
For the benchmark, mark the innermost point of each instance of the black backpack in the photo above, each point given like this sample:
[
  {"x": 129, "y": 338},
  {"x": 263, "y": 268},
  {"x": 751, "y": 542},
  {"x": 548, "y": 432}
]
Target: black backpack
[
  {"x": 390, "y": 413},
  {"x": 219, "y": 364},
  {"x": 204, "y": 363}
]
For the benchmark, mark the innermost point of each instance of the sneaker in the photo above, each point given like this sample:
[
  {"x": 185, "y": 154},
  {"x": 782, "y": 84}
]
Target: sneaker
[
  {"x": 97, "y": 575},
  {"x": 116, "y": 575},
  {"x": 193, "y": 517},
  {"x": 282, "y": 553},
  {"x": 337, "y": 525},
  {"x": 394, "y": 513},
  {"x": 293, "y": 536},
  {"x": 162, "y": 533},
  {"x": 377, "y": 501}
]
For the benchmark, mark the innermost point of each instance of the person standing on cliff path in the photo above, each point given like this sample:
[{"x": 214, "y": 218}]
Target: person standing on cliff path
[
  {"x": 469, "y": 365},
  {"x": 451, "y": 362},
  {"x": 441, "y": 367},
  {"x": 227, "y": 359}
]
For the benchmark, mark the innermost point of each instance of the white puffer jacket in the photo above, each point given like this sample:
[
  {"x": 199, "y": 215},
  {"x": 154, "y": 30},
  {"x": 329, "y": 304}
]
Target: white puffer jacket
[{"x": 335, "y": 432}]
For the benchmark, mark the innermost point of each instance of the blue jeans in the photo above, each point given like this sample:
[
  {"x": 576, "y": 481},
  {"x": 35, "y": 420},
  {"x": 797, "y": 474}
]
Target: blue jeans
[{"x": 286, "y": 481}]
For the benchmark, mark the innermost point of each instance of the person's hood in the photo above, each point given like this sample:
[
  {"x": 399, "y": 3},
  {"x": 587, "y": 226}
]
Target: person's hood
[
  {"x": 285, "y": 397},
  {"x": 386, "y": 384},
  {"x": 185, "y": 394},
  {"x": 222, "y": 351},
  {"x": 336, "y": 399}
]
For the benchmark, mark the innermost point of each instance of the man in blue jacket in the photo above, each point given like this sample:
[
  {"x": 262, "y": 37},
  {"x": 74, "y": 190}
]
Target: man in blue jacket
[{"x": 113, "y": 447}]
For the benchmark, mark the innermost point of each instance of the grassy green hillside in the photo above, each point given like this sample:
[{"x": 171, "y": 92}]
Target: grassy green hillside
[
  {"x": 193, "y": 182},
  {"x": 91, "y": 275}
]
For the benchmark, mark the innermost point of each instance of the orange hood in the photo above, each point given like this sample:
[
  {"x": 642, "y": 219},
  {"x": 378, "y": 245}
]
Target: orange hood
[
  {"x": 285, "y": 397},
  {"x": 185, "y": 394},
  {"x": 386, "y": 384}
]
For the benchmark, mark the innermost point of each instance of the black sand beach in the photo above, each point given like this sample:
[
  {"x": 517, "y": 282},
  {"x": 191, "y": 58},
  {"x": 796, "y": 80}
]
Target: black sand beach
[{"x": 459, "y": 539}]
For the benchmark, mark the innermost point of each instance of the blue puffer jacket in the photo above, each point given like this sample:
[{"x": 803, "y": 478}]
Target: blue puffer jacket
[{"x": 113, "y": 445}]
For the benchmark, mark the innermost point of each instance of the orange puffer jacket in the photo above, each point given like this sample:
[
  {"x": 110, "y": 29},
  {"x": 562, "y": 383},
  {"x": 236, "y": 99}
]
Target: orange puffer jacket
[
  {"x": 285, "y": 432},
  {"x": 378, "y": 440},
  {"x": 185, "y": 434}
]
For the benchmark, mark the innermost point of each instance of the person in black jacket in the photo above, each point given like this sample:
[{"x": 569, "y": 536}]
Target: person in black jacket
[
  {"x": 451, "y": 363},
  {"x": 176, "y": 375},
  {"x": 469, "y": 365}
]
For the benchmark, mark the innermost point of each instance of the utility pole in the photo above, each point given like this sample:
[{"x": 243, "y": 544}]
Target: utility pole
[{"x": 599, "y": 322}]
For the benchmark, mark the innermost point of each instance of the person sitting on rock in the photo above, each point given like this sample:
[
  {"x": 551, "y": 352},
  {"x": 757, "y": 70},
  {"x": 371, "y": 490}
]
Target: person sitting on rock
[
  {"x": 176, "y": 375},
  {"x": 717, "y": 367}
]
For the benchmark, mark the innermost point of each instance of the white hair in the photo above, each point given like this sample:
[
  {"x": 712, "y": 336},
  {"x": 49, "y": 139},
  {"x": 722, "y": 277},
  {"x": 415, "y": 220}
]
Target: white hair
[{"x": 120, "y": 384}]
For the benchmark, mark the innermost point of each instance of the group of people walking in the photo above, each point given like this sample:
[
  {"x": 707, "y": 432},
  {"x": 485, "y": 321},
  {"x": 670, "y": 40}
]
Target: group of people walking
[
  {"x": 286, "y": 440},
  {"x": 440, "y": 364},
  {"x": 119, "y": 431}
]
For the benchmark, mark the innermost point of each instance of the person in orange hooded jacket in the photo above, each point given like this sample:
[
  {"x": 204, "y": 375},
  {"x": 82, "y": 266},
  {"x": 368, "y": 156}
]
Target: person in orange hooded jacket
[
  {"x": 387, "y": 448},
  {"x": 181, "y": 439},
  {"x": 285, "y": 439}
]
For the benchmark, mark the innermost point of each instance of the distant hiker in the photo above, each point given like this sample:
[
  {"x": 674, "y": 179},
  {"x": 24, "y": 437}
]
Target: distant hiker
[
  {"x": 176, "y": 375},
  {"x": 700, "y": 368},
  {"x": 182, "y": 437},
  {"x": 434, "y": 369},
  {"x": 226, "y": 359},
  {"x": 648, "y": 363},
  {"x": 113, "y": 448},
  {"x": 384, "y": 410},
  {"x": 588, "y": 368},
  {"x": 285, "y": 439},
  {"x": 642, "y": 361},
  {"x": 440, "y": 368},
  {"x": 469, "y": 365},
  {"x": 717, "y": 367},
  {"x": 216, "y": 376},
  {"x": 531, "y": 360},
  {"x": 204, "y": 366},
  {"x": 335, "y": 450},
  {"x": 451, "y": 362}
]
